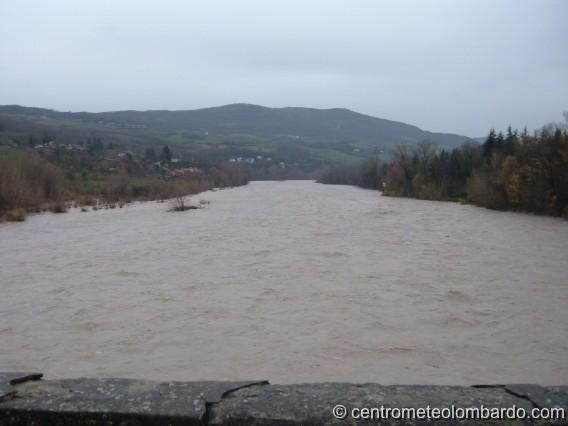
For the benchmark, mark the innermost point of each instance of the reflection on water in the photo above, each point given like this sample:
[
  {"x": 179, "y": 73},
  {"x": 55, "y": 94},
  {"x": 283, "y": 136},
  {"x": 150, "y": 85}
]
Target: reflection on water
[{"x": 292, "y": 282}]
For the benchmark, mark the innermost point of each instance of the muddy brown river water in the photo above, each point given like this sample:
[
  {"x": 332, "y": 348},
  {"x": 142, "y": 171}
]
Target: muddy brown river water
[{"x": 290, "y": 282}]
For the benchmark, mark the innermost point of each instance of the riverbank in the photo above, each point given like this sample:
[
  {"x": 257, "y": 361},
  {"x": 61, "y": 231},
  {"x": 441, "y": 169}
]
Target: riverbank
[
  {"x": 511, "y": 172},
  {"x": 30, "y": 183}
]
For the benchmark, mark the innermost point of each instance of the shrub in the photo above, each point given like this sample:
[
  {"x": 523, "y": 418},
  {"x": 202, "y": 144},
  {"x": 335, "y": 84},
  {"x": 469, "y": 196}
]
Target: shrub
[
  {"x": 58, "y": 207},
  {"x": 28, "y": 181},
  {"x": 16, "y": 215},
  {"x": 178, "y": 205}
]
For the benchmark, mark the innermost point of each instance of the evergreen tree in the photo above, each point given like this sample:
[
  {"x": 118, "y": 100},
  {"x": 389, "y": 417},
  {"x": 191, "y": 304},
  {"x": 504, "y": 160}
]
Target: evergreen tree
[
  {"x": 150, "y": 155},
  {"x": 96, "y": 147},
  {"x": 166, "y": 155},
  {"x": 500, "y": 142},
  {"x": 490, "y": 143}
]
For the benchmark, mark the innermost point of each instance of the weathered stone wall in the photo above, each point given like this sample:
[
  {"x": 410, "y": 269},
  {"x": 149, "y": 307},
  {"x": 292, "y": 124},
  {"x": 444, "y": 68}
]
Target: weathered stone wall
[{"x": 25, "y": 399}]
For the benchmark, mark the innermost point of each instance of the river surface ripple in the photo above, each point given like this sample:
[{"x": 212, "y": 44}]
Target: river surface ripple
[{"x": 290, "y": 282}]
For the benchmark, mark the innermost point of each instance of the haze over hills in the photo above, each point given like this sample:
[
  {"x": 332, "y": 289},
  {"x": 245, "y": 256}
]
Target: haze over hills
[
  {"x": 337, "y": 124},
  {"x": 303, "y": 138}
]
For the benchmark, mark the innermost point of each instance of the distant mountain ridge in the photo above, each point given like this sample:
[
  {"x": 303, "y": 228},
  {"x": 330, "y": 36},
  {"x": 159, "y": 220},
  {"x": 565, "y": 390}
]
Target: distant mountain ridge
[{"x": 336, "y": 125}]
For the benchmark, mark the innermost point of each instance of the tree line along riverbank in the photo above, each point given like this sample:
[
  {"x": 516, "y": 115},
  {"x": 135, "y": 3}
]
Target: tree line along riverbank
[
  {"x": 509, "y": 171},
  {"x": 53, "y": 177}
]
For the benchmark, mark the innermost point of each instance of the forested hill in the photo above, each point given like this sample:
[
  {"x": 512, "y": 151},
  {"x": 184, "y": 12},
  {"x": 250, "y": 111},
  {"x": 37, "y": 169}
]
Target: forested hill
[{"x": 316, "y": 126}]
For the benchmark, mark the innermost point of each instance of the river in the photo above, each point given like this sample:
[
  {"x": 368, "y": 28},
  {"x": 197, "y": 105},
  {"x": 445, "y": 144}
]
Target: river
[{"x": 291, "y": 282}]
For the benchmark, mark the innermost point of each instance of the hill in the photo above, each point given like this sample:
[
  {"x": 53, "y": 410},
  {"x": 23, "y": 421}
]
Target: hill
[{"x": 307, "y": 137}]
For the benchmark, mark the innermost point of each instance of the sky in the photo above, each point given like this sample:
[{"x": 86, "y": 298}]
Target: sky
[{"x": 460, "y": 66}]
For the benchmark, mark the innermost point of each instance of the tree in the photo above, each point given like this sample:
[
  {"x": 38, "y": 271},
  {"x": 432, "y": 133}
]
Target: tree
[
  {"x": 96, "y": 147},
  {"x": 511, "y": 140},
  {"x": 425, "y": 150},
  {"x": 150, "y": 155},
  {"x": 166, "y": 155},
  {"x": 490, "y": 143}
]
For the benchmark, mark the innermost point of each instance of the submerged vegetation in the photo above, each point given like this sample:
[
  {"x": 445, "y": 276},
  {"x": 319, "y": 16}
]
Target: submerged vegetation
[
  {"x": 54, "y": 176},
  {"x": 28, "y": 182},
  {"x": 511, "y": 171},
  {"x": 178, "y": 204}
]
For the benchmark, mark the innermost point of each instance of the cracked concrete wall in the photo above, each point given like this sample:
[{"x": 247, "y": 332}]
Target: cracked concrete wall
[{"x": 26, "y": 399}]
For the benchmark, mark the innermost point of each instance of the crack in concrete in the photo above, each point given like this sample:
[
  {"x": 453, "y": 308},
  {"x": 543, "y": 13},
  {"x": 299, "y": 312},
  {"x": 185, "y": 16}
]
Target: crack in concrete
[
  {"x": 7, "y": 390},
  {"x": 518, "y": 391},
  {"x": 509, "y": 391},
  {"x": 206, "y": 418},
  {"x": 525, "y": 397},
  {"x": 33, "y": 376}
]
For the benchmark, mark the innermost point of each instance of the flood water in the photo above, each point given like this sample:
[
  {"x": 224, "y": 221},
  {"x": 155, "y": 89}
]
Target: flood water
[{"x": 290, "y": 282}]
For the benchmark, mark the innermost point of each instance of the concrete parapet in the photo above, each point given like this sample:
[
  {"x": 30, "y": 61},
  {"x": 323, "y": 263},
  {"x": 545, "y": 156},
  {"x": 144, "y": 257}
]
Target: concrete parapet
[{"x": 25, "y": 399}]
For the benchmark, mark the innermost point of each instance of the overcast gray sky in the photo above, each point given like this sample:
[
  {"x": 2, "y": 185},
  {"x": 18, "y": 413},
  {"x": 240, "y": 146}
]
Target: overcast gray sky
[{"x": 451, "y": 65}]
